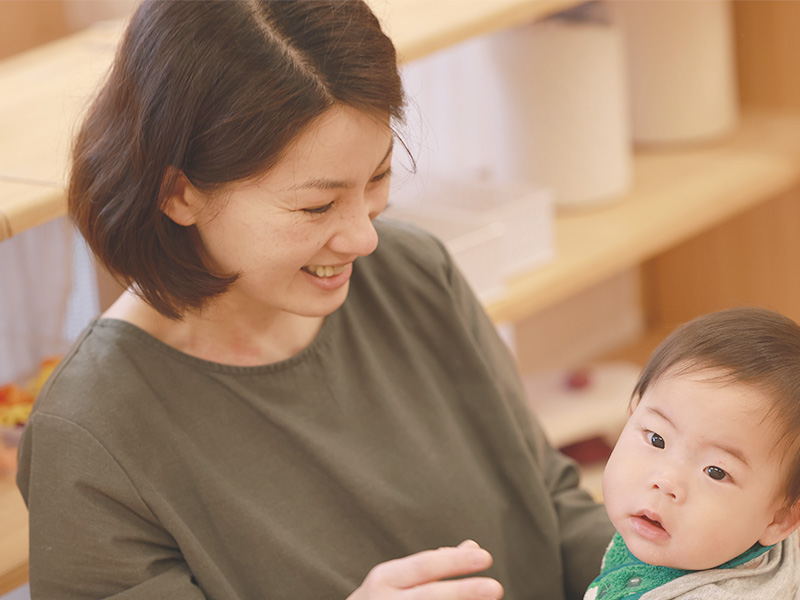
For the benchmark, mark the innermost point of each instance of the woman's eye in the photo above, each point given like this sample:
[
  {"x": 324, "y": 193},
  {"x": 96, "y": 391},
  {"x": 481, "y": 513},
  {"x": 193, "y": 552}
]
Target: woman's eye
[
  {"x": 716, "y": 473},
  {"x": 318, "y": 210},
  {"x": 655, "y": 440},
  {"x": 381, "y": 176}
]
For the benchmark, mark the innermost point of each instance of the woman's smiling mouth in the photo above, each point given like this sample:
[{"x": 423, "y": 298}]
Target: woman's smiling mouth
[{"x": 324, "y": 270}]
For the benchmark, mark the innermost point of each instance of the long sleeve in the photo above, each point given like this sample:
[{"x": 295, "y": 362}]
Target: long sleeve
[
  {"x": 100, "y": 540},
  {"x": 584, "y": 527}
]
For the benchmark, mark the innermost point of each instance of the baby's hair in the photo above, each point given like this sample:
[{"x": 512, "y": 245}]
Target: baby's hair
[
  {"x": 215, "y": 90},
  {"x": 752, "y": 346}
]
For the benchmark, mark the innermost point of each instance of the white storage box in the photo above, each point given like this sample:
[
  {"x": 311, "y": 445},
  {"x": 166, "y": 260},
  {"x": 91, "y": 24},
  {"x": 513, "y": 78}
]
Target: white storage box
[
  {"x": 475, "y": 246},
  {"x": 525, "y": 214}
]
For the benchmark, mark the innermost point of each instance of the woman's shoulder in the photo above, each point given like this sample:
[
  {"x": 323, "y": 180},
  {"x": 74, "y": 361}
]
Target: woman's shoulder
[
  {"x": 402, "y": 244},
  {"x": 103, "y": 366}
]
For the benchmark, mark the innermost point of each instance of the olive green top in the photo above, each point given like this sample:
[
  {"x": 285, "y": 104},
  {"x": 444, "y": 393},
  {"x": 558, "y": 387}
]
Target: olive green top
[{"x": 152, "y": 474}]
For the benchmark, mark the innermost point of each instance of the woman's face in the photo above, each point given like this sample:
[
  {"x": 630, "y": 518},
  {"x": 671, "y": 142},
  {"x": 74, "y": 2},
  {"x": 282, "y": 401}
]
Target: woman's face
[{"x": 294, "y": 233}]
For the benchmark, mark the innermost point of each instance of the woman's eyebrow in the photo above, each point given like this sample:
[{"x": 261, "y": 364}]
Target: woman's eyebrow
[
  {"x": 324, "y": 183},
  {"x": 388, "y": 151}
]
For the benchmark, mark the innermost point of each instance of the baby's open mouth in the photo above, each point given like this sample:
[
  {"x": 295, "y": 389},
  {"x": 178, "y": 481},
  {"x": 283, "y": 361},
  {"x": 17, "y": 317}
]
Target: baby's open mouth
[
  {"x": 651, "y": 521},
  {"x": 323, "y": 270}
]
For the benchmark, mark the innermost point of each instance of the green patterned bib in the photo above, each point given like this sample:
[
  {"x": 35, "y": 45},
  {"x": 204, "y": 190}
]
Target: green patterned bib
[{"x": 623, "y": 576}]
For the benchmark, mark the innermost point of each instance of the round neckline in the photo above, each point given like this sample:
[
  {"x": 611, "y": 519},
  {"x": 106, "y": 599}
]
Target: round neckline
[{"x": 120, "y": 325}]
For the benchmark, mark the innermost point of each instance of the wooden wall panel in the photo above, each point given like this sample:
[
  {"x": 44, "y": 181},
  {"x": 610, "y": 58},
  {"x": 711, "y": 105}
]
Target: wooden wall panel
[
  {"x": 753, "y": 259},
  {"x": 768, "y": 52},
  {"x": 25, "y": 24}
]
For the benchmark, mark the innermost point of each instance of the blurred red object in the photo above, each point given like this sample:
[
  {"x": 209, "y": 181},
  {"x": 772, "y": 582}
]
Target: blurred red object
[
  {"x": 579, "y": 379},
  {"x": 589, "y": 451}
]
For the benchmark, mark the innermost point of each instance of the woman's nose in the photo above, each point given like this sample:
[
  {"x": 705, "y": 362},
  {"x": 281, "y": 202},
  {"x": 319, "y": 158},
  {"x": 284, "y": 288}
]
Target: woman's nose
[{"x": 357, "y": 235}]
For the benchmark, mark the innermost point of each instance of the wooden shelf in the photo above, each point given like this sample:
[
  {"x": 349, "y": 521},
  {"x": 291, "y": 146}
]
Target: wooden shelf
[
  {"x": 52, "y": 85},
  {"x": 49, "y": 88},
  {"x": 25, "y": 205},
  {"x": 421, "y": 27},
  {"x": 675, "y": 195}
]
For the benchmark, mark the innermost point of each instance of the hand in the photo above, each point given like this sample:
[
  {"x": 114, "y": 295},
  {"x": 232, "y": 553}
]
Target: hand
[{"x": 420, "y": 576}]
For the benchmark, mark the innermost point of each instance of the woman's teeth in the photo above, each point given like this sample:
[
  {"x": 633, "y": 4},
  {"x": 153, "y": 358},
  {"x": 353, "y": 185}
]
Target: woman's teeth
[{"x": 324, "y": 271}]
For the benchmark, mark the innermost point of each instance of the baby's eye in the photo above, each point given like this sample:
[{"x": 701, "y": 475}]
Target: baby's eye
[
  {"x": 716, "y": 473},
  {"x": 655, "y": 439}
]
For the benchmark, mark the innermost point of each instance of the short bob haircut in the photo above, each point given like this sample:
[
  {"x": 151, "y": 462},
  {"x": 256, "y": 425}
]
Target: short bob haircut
[
  {"x": 215, "y": 90},
  {"x": 752, "y": 346}
]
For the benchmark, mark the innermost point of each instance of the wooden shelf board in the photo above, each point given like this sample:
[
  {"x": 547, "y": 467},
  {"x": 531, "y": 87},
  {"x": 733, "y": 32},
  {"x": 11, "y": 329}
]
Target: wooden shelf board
[
  {"x": 25, "y": 205},
  {"x": 421, "y": 27},
  {"x": 675, "y": 195},
  {"x": 51, "y": 89}
]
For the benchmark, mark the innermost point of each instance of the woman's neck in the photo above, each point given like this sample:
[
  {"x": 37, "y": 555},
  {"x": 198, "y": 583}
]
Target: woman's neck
[{"x": 222, "y": 335}]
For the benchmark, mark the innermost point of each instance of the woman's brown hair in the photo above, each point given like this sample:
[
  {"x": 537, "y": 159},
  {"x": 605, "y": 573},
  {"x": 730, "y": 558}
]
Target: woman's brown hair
[
  {"x": 215, "y": 90},
  {"x": 752, "y": 346}
]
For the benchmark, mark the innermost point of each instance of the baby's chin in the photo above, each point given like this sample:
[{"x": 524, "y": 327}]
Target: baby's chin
[{"x": 672, "y": 555}]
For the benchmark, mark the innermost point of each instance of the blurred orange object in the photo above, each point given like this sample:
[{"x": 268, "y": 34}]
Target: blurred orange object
[
  {"x": 16, "y": 404},
  {"x": 35, "y": 385}
]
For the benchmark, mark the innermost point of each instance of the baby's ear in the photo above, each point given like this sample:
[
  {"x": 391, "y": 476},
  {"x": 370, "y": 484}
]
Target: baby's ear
[
  {"x": 786, "y": 521},
  {"x": 182, "y": 201}
]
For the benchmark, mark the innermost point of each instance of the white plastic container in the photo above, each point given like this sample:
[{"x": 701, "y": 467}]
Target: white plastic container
[
  {"x": 495, "y": 230},
  {"x": 474, "y": 245},
  {"x": 681, "y": 71},
  {"x": 565, "y": 120},
  {"x": 526, "y": 214}
]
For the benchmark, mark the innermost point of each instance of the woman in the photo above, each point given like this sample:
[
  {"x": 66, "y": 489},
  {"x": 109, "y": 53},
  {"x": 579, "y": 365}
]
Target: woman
[{"x": 279, "y": 407}]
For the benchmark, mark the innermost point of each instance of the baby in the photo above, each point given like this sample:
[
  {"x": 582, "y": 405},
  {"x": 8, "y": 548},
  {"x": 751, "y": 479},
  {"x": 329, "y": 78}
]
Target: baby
[{"x": 703, "y": 485}]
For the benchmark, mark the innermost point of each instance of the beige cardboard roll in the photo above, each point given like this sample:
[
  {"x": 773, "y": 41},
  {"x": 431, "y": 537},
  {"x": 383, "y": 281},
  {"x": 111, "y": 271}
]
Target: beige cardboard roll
[
  {"x": 680, "y": 61},
  {"x": 565, "y": 123}
]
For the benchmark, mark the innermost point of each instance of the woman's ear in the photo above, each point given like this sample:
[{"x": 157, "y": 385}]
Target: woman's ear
[
  {"x": 182, "y": 202},
  {"x": 786, "y": 521}
]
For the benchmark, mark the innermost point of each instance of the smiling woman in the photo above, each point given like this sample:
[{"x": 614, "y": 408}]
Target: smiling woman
[
  {"x": 201, "y": 114},
  {"x": 289, "y": 237},
  {"x": 294, "y": 398}
]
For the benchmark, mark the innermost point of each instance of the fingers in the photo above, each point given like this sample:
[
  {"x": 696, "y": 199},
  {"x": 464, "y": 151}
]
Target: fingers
[
  {"x": 431, "y": 566},
  {"x": 471, "y": 588},
  {"x": 426, "y": 576}
]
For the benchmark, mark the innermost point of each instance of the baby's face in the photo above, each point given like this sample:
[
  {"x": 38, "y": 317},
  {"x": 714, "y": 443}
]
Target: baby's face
[{"x": 695, "y": 478}]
